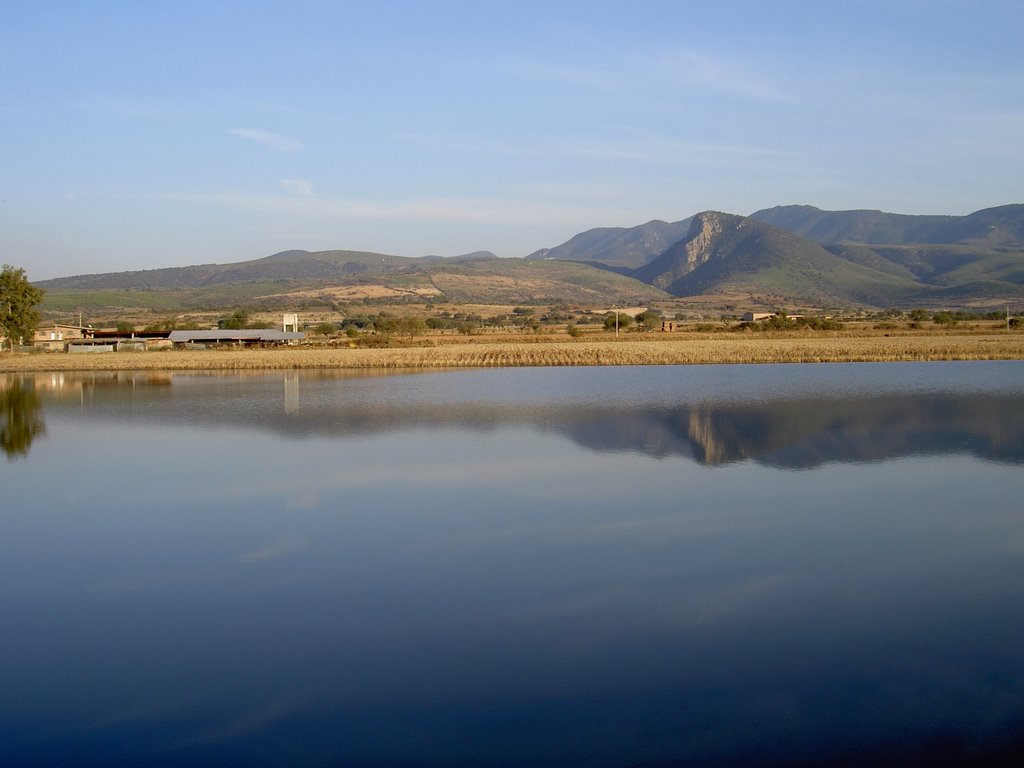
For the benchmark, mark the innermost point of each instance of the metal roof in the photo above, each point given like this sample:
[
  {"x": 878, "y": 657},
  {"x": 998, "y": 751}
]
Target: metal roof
[{"x": 253, "y": 334}]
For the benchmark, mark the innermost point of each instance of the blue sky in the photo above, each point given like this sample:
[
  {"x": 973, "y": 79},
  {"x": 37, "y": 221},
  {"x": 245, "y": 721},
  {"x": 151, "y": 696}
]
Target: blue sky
[{"x": 136, "y": 135}]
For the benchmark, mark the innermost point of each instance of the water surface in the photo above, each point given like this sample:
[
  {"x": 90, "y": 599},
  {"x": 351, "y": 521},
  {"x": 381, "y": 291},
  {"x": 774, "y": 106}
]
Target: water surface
[{"x": 752, "y": 565}]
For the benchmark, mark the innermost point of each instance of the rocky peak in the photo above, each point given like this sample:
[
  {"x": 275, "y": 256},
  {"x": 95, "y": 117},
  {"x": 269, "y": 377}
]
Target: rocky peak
[{"x": 704, "y": 228}]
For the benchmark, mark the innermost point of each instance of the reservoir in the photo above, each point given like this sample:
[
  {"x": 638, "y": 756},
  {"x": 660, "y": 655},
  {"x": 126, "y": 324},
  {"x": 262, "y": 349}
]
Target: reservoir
[{"x": 777, "y": 565}]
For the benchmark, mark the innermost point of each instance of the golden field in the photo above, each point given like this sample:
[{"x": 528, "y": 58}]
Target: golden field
[{"x": 553, "y": 351}]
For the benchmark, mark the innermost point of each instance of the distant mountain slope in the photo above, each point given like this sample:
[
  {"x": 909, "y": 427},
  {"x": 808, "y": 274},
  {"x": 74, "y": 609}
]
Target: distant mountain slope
[
  {"x": 729, "y": 254},
  {"x": 951, "y": 259},
  {"x": 861, "y": 226},
  {"x": 474, "y": 256},
  {"x": 630, "y": 247},
  {"x": 302, "y": 278},
  {"x": 286, "y": 265},
  {"x": 1003, "y": 225},
  {"x": 787, "y": 255}
]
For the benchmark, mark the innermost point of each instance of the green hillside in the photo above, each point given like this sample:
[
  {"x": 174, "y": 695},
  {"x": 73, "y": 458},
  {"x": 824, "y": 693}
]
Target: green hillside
[
  {"x": 301, "y": 278},
  {"x": 861, "y": 226},
  {"x": 732, "y": 254},
  {"x": 287, "y": 265},
  {"x": 797, "y": 254},
  {"x": 1003, "y": 225},
  {"x": 629, "y": 248}
]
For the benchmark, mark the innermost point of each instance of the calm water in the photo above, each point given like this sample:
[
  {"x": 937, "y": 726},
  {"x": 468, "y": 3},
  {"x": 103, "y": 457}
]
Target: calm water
[{"x": 763, "y": 565}]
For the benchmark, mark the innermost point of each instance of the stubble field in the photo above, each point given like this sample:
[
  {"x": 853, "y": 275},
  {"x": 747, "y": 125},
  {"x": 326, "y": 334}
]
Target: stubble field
[{"x": 556, "y": 352}]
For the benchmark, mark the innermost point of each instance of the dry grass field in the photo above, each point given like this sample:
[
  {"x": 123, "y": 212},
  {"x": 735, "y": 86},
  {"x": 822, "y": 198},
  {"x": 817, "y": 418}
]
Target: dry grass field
[{"x": 552, "y": 350}]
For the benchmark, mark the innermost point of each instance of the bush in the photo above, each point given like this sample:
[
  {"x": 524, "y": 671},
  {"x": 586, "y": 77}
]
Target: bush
[
  {"x": 648, "y": 319},
  {"x": 624, "y": 321}
]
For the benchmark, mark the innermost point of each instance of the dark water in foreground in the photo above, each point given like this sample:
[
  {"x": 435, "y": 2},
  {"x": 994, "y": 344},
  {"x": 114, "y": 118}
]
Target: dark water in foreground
[{"x": 735, "y": 565}]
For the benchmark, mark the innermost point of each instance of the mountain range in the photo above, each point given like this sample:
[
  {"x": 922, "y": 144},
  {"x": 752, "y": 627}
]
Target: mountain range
[
  {"x": 787, "y": 255},
  {"x": 799, "y": 254}
]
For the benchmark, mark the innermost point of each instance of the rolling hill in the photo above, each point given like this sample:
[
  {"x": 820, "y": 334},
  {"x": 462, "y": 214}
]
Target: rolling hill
[
  {"x": 788, "y": 255},
  {"x": 304, "y": 278}
]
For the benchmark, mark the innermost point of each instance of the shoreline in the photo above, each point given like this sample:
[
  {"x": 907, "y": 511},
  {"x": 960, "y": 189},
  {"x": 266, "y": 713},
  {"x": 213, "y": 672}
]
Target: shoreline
[{"x": 705, "y": 350}]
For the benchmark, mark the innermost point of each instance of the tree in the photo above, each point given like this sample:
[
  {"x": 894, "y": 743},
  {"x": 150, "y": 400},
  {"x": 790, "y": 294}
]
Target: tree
[
  {"x": 385, "y": 325},
  {"x": 648, "y": 319},
  {"x": 21, "y": 419},
  {"x": 18, "y": 301},
  {"x": 624, "y": 321},
  {"x": 413, "y": 326},
  {"x": 236, "y": 321}
]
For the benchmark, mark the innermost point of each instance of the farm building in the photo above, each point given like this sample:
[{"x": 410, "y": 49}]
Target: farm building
[
  {"x": 236, "y": 337},
  {"x": 57, "y": 336}
]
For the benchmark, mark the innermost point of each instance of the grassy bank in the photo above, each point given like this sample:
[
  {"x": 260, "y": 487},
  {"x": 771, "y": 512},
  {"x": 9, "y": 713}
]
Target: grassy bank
[{"x": 657, "y": 351}]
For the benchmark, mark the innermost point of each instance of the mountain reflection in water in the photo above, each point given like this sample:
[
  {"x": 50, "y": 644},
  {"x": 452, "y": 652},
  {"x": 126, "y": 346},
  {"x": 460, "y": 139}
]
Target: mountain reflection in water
[
  {"x": 530, "y": 567},
  {"x": 774, "y": 428}
]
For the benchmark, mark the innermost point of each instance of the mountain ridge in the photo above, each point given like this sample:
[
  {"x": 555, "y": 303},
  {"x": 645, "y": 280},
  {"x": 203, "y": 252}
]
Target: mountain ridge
[
  {"x": 819, "y": 258},
  {"x": 627, "y": 247},
  {"x": 727, "y": 254}
]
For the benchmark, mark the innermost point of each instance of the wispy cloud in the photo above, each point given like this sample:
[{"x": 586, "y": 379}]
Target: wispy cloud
[
  {"x": 578, "y": 76},
  {"x": 297, "y": 186},
  {"x": 268, "y": 139},
  {"x": 575, "y": 190},
  {"x": 450, "y": 142},
  {"x": 689, "y": 68},
  {"x": 440, "y": 209},
  {"x": 652, "y": 149},
  {"x": 645, "y": 71}
]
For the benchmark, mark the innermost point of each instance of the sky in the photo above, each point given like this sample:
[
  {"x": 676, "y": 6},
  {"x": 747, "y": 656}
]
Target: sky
[{"x": 138, "y": 135}]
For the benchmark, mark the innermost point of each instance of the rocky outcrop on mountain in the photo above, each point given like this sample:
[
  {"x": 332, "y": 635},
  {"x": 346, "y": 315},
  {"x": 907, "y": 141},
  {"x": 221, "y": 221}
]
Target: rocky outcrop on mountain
[{"x": 695, "y": 249}]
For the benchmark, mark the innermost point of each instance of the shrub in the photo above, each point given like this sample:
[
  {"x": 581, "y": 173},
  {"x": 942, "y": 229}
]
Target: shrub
[{"x": 625, "y": 321}]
